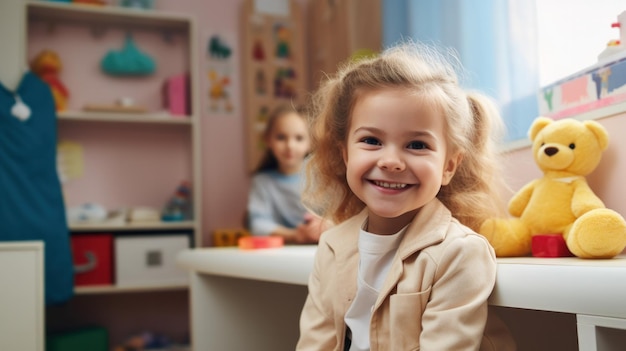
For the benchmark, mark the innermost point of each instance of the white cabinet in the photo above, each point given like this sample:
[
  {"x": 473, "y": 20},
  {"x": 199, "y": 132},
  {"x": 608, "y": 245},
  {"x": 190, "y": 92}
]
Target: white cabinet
[{"x": 21, "y": 296}]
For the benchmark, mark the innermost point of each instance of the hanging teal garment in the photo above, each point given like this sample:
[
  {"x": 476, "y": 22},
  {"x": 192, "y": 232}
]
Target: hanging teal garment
[
  {"x": 129, "y": 61},
  {"x": 31, "y": 201}
]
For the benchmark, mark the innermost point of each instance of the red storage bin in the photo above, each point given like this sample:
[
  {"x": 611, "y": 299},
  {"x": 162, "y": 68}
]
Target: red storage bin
[{"x": 93, "y": 259}]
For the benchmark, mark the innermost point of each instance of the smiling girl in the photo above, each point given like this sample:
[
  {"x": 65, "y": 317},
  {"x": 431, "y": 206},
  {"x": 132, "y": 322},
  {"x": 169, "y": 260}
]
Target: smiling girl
[
  {"x": 404, "y": 162},
  {"x": 275, "y": 199}
]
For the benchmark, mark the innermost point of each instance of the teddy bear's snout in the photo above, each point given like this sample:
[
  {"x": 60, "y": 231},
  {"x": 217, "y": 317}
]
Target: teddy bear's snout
[{"x": 551, "y": 150}]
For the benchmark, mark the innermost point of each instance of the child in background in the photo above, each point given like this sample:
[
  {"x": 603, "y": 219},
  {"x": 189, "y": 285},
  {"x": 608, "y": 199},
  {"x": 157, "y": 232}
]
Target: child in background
[
  {"x": 274, "y": 204},
  {"x": 405, "y": 165}
]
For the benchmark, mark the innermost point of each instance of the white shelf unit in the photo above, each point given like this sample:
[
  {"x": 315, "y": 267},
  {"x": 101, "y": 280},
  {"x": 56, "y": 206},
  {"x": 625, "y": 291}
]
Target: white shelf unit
[
  {"x": 99, "y": 19},
  {"x": 119, "y": 309},
  {"x": 102, "y": 18}
]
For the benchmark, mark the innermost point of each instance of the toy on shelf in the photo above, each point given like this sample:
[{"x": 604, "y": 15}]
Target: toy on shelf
[
  {"x": 179, "y": 207},
  {"x": 91, "y": 212},
  {"x": 149, "y": 341},
  {"x": 137, "y": 4},
  {"x": 129, "y": 61},
  {"x": 87, "y": 212},
  {"x": 615, "y": 46},
  {"x": 90, "y": 2},
  {"x": 229, "y": 236},
  {"x": 598, "y": 86},
  {"x": 47, "y": 66},
  {"x": 559, "y": 214}
]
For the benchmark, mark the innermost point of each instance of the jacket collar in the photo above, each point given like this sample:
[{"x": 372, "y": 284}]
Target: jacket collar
[{"x": 429, "y": 227}]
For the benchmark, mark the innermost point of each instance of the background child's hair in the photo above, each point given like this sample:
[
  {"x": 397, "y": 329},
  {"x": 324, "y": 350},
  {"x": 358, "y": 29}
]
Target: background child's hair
[
  {"x": 269, "y": 161},
  {"x": 472, "y": 124}
]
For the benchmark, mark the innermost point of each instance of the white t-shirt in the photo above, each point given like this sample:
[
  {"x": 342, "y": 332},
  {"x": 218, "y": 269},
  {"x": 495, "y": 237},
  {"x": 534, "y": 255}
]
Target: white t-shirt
[{"x": 376, "y": 252}]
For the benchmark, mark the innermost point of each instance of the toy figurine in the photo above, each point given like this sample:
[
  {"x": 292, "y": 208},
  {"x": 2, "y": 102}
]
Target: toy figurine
[
  {"x": 47, "y": 65},
  {"x": 615, "y": 46},
  {"x": 179, "y": 207}
]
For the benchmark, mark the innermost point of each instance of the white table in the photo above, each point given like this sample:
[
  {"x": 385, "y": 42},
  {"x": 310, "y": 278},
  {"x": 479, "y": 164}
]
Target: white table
[{"x": 251, "y": 300}]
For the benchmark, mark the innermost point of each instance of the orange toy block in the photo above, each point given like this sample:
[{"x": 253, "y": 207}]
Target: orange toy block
[{"x": 228, "y": 237}]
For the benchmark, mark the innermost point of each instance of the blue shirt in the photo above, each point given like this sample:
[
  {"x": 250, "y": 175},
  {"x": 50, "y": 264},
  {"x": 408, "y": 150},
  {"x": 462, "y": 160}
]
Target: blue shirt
[{"x": 275, "y": 200}]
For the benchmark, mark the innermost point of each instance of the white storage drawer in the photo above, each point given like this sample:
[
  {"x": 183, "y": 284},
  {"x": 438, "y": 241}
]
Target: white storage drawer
[{"x": 149, "y": 260}]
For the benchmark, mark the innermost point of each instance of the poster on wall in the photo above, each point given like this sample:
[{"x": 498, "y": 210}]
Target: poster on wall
[{"x": 218, "y": 74}]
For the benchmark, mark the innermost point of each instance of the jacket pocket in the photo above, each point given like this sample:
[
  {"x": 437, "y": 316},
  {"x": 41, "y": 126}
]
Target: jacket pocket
[{"x": 406, "y": 312}]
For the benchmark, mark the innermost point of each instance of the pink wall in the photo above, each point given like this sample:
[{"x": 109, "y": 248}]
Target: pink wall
[
  {"x": 122, "y": 166},
  {"x": 606, "y": 180},
  {"x": 225, "y": 180}
]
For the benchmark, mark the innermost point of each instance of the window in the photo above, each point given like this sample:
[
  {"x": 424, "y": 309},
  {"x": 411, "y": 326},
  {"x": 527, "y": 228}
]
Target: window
[{"x": 572, "y": 33}]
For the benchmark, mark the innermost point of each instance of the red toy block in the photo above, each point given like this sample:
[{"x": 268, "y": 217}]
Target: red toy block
[
  {"x": 550, "y": 245},
  {"x": 92, "y": 255}
]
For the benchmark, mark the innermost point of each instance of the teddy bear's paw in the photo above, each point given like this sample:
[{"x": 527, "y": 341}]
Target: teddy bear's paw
[
  {"x": 508, "y": 237},
  {"x": 599, "y": 233}
]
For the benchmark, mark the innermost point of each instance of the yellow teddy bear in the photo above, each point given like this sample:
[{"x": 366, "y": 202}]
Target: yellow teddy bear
[{"x": 560, "y": 208}]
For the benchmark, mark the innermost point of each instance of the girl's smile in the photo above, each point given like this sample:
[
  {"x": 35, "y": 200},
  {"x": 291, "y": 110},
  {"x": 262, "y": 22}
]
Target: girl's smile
[{"x": 388, "y": 185}]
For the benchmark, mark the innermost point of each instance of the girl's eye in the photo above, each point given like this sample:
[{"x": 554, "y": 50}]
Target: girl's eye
[
  {"x": 417, "y": 145},
  {"x": 370, "y": 141}
]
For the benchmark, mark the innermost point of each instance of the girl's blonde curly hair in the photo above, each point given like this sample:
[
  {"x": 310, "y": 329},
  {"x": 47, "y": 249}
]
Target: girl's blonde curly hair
[{"x": 473, "y": 126}]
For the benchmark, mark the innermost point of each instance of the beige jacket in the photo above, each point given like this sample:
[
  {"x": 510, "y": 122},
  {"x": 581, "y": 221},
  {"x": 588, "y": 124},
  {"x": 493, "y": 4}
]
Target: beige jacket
[{"x": 434, "y": 297}]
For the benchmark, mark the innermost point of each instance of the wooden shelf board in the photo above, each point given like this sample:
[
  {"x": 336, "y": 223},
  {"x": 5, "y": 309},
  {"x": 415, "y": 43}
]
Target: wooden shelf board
[
  {"x": 151, "y": 118},
  {"x": 113, "y": 289},
  {"x": 96, "y": 227},
  {"x": 106, "y": 15}
]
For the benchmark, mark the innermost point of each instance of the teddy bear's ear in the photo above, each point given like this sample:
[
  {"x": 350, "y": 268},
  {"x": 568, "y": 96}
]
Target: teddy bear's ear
[
  {"x": 600, "y": 132},
  {"x": 537, "y": 126}
]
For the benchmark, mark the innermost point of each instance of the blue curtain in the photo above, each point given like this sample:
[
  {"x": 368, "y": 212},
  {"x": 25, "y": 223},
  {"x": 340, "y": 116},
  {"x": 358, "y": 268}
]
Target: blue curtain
[{"x": 496, "y": 42}]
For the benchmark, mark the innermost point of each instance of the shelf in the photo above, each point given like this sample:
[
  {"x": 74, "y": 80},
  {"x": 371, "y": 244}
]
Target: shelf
[
  {"x": 100, "y": 227},
  {"x": 112, "y": 289},
  {"x": 128, "y": 156},
  {"x": 105, "y": 15},
  {"x": 150, "y": 118}
]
